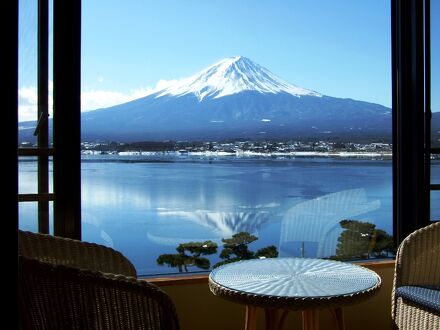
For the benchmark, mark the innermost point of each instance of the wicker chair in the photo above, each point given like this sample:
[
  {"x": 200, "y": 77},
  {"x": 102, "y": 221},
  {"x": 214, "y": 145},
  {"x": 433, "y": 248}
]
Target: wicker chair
[
  {"x": 69, "y": 284},
  {"x": 416, "y": 289},
  {"x": 70, "y": 252}
]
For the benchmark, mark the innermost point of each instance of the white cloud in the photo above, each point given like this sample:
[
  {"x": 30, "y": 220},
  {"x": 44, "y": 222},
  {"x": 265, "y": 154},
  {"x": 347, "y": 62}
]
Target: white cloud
[
  {"x": 162, "y": 84},
  {"x": 28, "y": 102},
  {"x": 90, "y": 99},
  {"x": 96, "y": 99}
]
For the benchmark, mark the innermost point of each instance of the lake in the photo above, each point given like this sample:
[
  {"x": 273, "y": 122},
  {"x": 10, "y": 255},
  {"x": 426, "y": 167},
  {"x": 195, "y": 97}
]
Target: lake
[{"x": 145, "y": 206}]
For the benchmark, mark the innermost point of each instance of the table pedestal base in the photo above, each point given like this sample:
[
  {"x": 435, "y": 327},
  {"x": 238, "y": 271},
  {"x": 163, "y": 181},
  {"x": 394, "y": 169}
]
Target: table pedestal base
[
  {"x": 338, "y": 316},
  {"x": 310, "y": 320},
  {"x": 251, "y": 318},
  {"x": 275, "y": 319}
]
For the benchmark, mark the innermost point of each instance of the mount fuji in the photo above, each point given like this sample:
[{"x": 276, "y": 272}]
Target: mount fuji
[
  {"x": 236, "y": 98},
  {"x": 231, "y": 76}
]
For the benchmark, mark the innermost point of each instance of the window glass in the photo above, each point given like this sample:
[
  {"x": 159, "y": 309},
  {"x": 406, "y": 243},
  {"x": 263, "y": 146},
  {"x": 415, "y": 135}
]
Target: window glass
[
  {"x": 28, "y": 115},
  {"x": 28, "y": 179},
  {"x": 435, "y": 107},
  {"x": 28, "y": 216},
  {"x": 27, "y": 70},
  {"x": 28, "y": 175},
  {"x": 27, "y": 109},
  {"x": 435, "y": 169},
  {"x": 435, "y": 73},
  {"x": 435, "y": 205},
  {"x": 208, "y": 137},
  {"x": 28, "y": 213}
]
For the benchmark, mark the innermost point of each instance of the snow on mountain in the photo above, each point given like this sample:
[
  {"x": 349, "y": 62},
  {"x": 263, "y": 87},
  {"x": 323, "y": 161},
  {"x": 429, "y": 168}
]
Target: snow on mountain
[{"x": 231, "y": 76}]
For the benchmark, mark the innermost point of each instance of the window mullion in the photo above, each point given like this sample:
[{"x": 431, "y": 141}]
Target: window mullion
[
  {"x": 67, "y": 117},
  {"x": 43, "y": 113},
  {"x": 409, "y": 165},
  {"x": 428, "y": 113}
]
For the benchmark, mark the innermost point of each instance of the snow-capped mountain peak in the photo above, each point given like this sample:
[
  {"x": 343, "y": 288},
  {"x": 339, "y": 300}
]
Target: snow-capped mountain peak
[{"x": 230, "y": 76}]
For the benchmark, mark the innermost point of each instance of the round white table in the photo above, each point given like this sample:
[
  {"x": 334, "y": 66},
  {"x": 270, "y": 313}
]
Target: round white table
[{"x": 284, "y": 284}]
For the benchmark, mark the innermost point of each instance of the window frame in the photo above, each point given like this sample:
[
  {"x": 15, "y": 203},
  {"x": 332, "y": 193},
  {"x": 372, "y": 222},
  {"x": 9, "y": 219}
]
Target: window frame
[
  {"x": 430, "y": 151},
  {"x": 410, "y": 60},
  {"x": 42, "y": 151},
  {"x": 411, "y": 149},
  {"x": 66, "y": 120}
]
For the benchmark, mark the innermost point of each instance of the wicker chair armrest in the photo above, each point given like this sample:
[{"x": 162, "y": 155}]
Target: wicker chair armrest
[
  {"x": 417, "y": 260},
  {"x": 57, "y": 297},
  {"x": 75, "y": 253}
]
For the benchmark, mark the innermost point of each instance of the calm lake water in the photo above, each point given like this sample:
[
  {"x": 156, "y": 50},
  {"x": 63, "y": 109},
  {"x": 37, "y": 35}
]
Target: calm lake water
[{"x": 145, "y": 206}]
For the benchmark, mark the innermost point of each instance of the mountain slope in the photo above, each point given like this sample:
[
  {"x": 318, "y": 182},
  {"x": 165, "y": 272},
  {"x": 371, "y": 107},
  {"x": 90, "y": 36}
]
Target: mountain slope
[
  {"x": 244, "y": 115},
  {"x": 236, "y": 99}
]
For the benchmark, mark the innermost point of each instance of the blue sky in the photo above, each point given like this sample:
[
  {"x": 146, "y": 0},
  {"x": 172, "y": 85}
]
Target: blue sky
[{"x": 338, "y": 48}]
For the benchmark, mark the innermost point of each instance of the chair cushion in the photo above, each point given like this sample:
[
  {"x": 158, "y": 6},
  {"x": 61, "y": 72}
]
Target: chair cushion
[{"x": 426, "y": 296}]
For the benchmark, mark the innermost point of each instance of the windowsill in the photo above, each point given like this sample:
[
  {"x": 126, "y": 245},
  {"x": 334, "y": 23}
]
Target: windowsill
[{"x": 203, "y": 278}]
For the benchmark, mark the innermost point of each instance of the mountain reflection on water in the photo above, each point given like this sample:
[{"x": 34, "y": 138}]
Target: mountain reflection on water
[
  {"x": 147, "y": 209},
  {"x": 221, "y": 224}
]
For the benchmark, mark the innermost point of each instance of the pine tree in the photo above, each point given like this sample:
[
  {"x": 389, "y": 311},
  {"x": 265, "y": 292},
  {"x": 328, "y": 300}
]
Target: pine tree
[{"x": 182, "y": 260}]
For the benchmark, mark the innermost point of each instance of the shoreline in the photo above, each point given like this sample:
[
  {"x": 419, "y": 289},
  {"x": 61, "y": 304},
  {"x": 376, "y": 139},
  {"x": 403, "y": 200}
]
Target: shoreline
[{"x": 247, "y": 154}]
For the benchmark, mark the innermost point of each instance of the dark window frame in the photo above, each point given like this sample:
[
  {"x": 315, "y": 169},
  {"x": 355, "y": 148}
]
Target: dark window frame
[
  {"x": 9, "y": 27},
  {"x": 66, "y": 120},
  {"x": 411, "y": 117},
  {"x": 430, "y": 151},
  {"x": 42, "y": 151}
]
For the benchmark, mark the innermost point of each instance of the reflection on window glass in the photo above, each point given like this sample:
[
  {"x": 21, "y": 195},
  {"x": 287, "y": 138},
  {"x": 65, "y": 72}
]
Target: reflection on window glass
[
  {"x": 435, "y": 205},
  {"x": 28, "y": 175},
  {"x": 27, "y": 74},
  {"x": 435, "y": 171},
  {"x": 28, "y": 215},
  {"x": 28, "y": 179}
]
